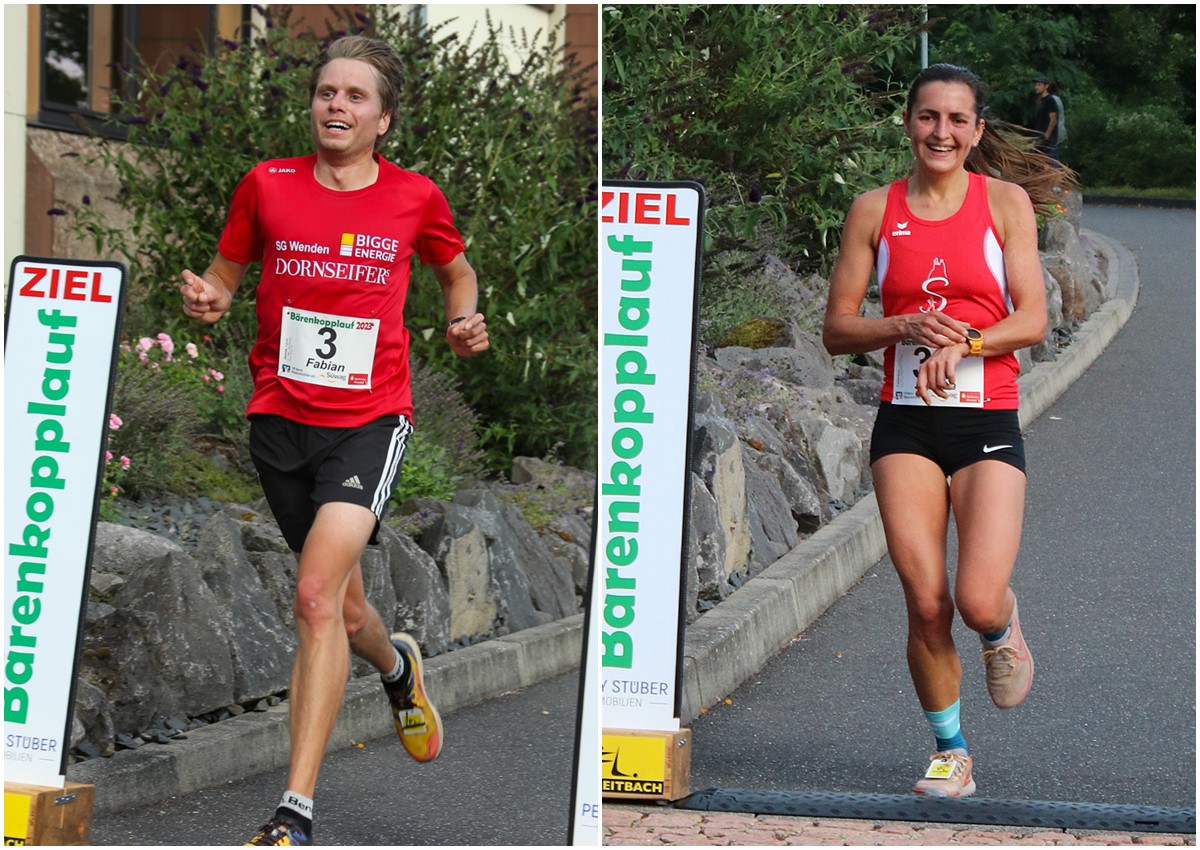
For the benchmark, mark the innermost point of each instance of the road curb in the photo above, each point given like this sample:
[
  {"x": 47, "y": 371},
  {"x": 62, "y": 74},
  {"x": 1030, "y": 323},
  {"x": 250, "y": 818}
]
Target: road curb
[
  {"x": 730, "y": 643},
  {"x": 257, "y": 742}
]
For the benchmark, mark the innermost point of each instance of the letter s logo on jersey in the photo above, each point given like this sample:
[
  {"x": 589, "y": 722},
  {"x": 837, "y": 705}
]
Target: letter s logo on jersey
[{"x": 937, "y": 275}]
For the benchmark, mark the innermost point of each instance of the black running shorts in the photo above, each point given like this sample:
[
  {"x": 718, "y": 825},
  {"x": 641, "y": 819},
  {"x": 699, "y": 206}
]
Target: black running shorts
[
  {"x": 302, "y": 467},
  {"x": 951, "y": 438}
]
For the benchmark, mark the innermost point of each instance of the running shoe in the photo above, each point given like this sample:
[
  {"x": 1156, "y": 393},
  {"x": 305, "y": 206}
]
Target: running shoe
[
  {"x": 949, "y": 775},
  {"x": 417, "y": 721},
  {"x": 1009, "y": 668},
  {"x": 279, "y": 833}
]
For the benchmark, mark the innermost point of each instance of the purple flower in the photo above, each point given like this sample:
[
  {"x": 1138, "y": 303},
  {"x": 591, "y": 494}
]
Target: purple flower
[
  {"x": 138, "y": 119},
  {"x": 56, "y": 211},
  {"x": 755, "y": 194},
  {"x": 87, "y": 200}
]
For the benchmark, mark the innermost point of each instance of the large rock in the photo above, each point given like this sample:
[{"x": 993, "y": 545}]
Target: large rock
[
  {"x": 805, "y": 362},
  {"x": 1063, "y": 256},
  {"x": 460, "y": 551},
  {"x": 569, "y": 539},
  {"x": 160, "y": 644},
  {"x": 769, "y": 516},
  {"x": 422, "y": 603},
  {"x": 261, "y": 646},
  {"x": 92, "y": 718},
  {"x": 1047, "y": 349},
  {"x": 523, "y": 568},
  {"x": 794, "y": 472},
  {"x": 717, "y": 459},
  {"x": 706, "y": 578}
]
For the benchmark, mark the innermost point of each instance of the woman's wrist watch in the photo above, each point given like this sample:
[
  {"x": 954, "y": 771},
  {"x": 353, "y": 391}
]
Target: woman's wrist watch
[{"x": 974, "y": 342}]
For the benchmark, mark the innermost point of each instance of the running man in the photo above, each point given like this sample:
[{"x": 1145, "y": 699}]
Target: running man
[{"x": 331, "y": 408}]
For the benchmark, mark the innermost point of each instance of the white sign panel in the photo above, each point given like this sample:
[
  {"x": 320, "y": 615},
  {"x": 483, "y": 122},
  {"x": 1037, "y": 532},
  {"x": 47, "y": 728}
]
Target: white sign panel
[
  {"x": 60, "y": 340},
  {"x": 649, "y": 269}
]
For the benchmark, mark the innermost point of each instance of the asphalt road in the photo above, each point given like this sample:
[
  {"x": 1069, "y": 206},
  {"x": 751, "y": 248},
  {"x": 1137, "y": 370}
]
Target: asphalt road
[
  {"x": 1106, "y": 579},
  {"x": 504, "y": 778}
]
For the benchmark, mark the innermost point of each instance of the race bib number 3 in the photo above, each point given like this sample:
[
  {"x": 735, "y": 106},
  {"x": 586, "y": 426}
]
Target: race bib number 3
[
  {"x": 968, "y": 379},
  {"x": 327, "y": 350}
]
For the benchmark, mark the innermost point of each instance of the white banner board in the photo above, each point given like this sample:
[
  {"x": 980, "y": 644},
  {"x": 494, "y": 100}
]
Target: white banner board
[
  {"x": 649, "y": 272},
  {"x": 60, "y": 343}
]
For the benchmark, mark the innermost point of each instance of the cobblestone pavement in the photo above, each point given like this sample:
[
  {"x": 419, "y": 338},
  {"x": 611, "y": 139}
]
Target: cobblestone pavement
[{"x": 652, "y": 826}]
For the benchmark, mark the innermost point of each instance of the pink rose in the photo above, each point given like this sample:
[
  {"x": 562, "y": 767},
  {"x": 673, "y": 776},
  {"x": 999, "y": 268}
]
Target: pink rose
[
  {"x": 192, "y": 351},
  {"x": 108, "y": 456},
  {"x": 114, "y": 421},
  {"x": 124, "y": 462},
  {"x": 145, "y": 344}
]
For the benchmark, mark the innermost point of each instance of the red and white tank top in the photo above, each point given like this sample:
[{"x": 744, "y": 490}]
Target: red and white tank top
[{"x": 955, "y": 266}]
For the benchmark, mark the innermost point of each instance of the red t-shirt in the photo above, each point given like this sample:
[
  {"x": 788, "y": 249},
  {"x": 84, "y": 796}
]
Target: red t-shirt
[
  {"x": 956, "y": 266},
  {"x": 332, "y": 349}
]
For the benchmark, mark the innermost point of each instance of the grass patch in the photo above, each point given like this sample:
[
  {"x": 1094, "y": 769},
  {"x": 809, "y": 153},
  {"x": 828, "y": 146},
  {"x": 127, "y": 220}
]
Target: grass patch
[{"x": 1160, "y": 192}]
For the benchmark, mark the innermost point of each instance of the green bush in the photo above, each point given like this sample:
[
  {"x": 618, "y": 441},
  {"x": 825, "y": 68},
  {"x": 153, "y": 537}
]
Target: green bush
[
  {"x": 783, "y": 112},
  {"x": 443, "y": 450},
  {"x": 1146, "y": 148},
  {"x": 513, "y": 152}
]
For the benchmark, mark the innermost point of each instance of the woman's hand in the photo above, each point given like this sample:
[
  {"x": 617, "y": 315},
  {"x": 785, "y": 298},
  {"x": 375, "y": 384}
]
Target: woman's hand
[
  {"x": 936, "y": 374},
  {"x": 934, "y": 329}
]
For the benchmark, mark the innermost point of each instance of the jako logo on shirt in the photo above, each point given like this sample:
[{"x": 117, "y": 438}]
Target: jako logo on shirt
[
  {"x": 275, "y": 170},
  {"x": 364, "y": 247}
]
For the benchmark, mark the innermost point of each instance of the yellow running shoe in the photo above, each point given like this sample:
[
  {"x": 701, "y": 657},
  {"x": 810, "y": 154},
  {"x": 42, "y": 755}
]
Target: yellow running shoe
[
  {"x": 417, "y": 721},
  {"x": 279, "y": 833}
]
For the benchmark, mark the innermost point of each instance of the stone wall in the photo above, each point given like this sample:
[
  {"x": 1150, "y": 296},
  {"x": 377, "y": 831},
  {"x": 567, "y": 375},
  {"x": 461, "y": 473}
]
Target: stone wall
[{"x": 178, "y": 636}]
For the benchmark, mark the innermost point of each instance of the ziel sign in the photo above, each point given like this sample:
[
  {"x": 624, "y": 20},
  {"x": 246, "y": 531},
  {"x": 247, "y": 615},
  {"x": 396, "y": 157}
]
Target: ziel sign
[
  {"x": 650, "y": 254},
  {"x": 60, "y": 344}
]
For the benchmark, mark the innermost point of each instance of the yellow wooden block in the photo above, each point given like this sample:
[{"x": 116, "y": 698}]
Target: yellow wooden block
[
  {"x": 37, "y": 814},
  {"x": 645, "y": 765}
]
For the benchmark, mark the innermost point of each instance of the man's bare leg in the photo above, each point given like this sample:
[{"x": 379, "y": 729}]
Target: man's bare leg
[{"x": 328, "y": 567}]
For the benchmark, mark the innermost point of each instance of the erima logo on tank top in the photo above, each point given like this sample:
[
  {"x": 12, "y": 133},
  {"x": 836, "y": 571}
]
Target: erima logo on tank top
[{"x": 902, "y": 229}]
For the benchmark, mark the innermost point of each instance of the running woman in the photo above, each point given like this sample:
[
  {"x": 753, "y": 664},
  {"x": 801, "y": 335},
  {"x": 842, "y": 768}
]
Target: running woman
[
  {"x": 954, "y": 250},
  {"x": 331, "y": 408}
]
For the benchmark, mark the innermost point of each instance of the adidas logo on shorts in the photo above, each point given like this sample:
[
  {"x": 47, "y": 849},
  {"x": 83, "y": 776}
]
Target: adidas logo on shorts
[{"x": 353, "y": 481}]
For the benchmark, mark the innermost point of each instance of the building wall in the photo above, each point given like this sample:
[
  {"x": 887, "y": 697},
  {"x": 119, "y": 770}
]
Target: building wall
[{"x": 16, "y": 34}]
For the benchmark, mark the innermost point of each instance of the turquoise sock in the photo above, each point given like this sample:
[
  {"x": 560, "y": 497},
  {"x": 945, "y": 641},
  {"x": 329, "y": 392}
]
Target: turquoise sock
[
  {"x": 997, "y": 638},
  {"x": 946, "y": 728}
]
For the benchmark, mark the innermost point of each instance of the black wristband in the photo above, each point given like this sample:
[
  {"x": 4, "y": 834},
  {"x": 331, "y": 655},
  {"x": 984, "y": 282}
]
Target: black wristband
[{"x": 455, "y": 321}]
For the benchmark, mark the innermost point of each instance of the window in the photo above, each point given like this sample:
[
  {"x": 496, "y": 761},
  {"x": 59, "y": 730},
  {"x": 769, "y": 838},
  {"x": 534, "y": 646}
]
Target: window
[{"x": 84, "y": 49}]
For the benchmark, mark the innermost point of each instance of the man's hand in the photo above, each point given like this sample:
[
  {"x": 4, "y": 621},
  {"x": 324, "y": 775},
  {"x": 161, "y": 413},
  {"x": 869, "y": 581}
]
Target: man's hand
[
  {"x": 202, "y": 300},
  {"x": 468, "y": 337}
]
